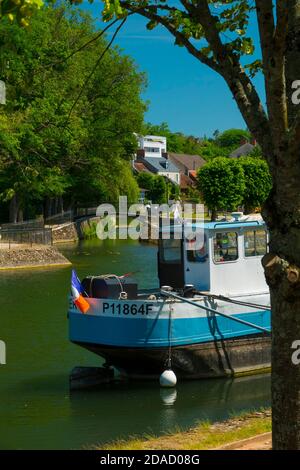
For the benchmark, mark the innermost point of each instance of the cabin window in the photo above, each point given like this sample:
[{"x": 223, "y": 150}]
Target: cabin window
[
  {"x": 170, "y": 251},
  {"x": 255, "y": 243},
  {"x": 225, "y": 247}
]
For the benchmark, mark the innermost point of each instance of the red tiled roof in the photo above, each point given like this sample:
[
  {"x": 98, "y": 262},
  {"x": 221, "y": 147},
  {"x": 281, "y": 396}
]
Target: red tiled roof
[
  {"x": 187, "y": 162},
  {"x": 193, "y": 174},
  {"x": 185, "y": 181},
  {"x": 140, "y": 167}
]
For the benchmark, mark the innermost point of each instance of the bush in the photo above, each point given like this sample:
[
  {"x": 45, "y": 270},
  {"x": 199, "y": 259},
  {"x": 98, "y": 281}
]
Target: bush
[
  {"x": 222, "y": 184},
  {"x": 258, "y": 182}
]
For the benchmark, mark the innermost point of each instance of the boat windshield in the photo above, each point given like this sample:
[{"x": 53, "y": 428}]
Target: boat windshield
[
  {"x": 225, "y": 247},
  {"x": 255, "y": 243}
]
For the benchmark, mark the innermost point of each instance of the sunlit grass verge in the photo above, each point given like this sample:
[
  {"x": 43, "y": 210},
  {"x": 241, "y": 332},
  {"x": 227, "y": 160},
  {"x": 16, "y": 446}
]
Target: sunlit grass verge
[{"x": 204, "y": 436}]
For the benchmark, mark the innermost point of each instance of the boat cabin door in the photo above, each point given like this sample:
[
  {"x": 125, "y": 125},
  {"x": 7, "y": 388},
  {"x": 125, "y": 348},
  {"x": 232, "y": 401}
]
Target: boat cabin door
[
  {"x": 197, "y": 262},
  {"x": 170, "y": 263}
]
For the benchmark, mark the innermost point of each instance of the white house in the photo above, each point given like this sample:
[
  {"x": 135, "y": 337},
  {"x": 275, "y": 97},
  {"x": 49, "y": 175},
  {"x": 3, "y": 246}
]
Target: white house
[
  {"x": 152, "y": 154},
  {"x": 153, "y": 145}
]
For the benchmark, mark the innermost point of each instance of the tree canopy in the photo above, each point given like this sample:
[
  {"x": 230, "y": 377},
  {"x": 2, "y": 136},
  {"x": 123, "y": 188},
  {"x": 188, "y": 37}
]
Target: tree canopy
[
  {"x": 19, "y": 10},
  {"x": 176, "y": 141},
  {"x": 258, "y": 182},
  {"x": 155, "y": 185},
  {"x": 226, "y": 183},
  {"x": 233, "y": 138},
  {"x": 64, "y": 131},
  {"x": 222, "y": 184}
]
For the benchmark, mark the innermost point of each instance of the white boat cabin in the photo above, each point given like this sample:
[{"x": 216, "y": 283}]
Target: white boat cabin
[{"x": 227, "y": 262}]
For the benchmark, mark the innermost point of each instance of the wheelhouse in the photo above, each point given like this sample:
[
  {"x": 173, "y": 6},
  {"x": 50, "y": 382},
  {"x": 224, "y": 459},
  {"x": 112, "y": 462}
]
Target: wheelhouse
[{"x": 226, "y": 259}]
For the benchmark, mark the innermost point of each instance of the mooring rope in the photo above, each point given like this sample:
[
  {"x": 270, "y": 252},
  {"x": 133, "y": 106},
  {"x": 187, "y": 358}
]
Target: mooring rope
[{"x": 169, "y": 361}]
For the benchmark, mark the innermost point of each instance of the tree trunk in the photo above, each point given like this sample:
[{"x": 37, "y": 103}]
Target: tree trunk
[
  {"x": 282, "y": 270},
  {"x": 47, "y": 207},
  {"x": 285, "y": 374},
  {"x": 13, "y": 210},
  {"x": 248, "y": 210},
  {"x": 213, "y": 215},
  {"x": 20, "y": 215}
]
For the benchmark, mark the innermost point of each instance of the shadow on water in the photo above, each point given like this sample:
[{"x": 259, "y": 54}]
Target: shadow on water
[{"x": 37, "y": 410}]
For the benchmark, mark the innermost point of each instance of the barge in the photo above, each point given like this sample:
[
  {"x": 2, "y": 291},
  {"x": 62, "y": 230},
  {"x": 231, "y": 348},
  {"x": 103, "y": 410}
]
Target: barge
[{"x": 209, "y": 317}]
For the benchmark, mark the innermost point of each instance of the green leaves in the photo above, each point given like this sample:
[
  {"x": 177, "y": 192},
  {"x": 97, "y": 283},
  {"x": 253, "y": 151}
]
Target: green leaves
[
  {"x": 151, "y": 24},
  {"x": 43, "y": 152},
  {"x": 258, "y": 182},
  {"x": 222, "y": 184},
  {"x": 19, "y": 10},
  {"x": 155, "y": 185},
  {"x": 227, "y": 183}
]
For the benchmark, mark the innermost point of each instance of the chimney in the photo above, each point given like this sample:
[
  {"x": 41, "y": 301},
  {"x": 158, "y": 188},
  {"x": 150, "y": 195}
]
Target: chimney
[
  {"x": 253, "y": 141},
  {"x": 243, "y": 141},
  {"x": 165, "y": 155},
  {"x": 140, "y": 153}
]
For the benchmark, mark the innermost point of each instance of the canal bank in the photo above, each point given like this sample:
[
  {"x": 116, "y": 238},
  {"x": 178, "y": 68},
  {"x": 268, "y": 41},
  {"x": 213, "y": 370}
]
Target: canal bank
[
  {"x": 248, "y": 430},
  {"x": 37, "y": 409},
  {"x": 17, "y": 256}
]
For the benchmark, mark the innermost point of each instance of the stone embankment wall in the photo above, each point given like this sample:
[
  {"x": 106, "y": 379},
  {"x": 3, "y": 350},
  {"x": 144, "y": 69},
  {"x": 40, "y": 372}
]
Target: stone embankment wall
[
  {"x": 72, "y": 231},
  {"x": 64, "y": 233},
  {"x": 22, "y": 256}
]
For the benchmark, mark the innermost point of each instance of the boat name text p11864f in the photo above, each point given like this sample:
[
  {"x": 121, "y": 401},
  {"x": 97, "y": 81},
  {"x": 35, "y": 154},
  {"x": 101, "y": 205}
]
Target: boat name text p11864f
[{"x": 127, "y": 309}]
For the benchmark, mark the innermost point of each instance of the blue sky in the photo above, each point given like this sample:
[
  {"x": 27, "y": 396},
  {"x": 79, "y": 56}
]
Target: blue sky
[{"x": 181, "y": 91}]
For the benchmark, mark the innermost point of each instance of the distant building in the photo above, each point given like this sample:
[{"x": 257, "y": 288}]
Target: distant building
[
  {"x": 245, "y": 149},
  {"x": 185, "y": 162},
  {"x": 188, "y": 166},
  {"x": 151, "y": 156},
  {"x": 152, "y": 145}
]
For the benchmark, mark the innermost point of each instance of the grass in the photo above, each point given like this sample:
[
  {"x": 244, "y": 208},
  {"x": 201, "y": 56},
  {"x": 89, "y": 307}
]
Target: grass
[
  {"x": 89, "y": 229},
  {"x": 202, "y": 437}
]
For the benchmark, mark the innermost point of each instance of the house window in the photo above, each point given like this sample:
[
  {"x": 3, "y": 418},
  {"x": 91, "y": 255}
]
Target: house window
[
  {"x": 255, "y": 243},
  {"x": 225, "y": 247},
  {"x": 152, "y": 149}
]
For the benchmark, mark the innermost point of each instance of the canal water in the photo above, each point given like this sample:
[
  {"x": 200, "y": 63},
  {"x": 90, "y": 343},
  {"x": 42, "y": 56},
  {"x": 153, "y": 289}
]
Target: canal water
[{"x": 37, "y": 410}]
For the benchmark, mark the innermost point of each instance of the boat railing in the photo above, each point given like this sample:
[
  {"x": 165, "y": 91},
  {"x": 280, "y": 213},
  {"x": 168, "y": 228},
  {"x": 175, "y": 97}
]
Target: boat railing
[
  {"x": 169, "y": 294},
  {"x": 236, "y": 222}
]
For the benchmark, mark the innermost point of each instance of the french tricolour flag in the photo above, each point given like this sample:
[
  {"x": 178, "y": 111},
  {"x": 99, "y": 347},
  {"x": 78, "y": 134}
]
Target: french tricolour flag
[{"x": 77, "y": 291}]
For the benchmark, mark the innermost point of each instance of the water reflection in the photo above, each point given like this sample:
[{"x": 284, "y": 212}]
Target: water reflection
[
  {"x": 168, "y": 396},
  {"x": 139, "y": 408},
  {"x": 37, "y": 410}
]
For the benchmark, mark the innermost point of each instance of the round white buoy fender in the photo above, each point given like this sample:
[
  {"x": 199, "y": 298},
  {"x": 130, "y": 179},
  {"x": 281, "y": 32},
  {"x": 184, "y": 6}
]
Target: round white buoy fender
[{"x": 168, "y": 379}]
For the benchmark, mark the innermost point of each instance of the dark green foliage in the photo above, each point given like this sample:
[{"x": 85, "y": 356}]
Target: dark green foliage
[
  {"x": 53, "y": 144},
  {"x": 258, "y": 182},
  {"x": 227, "y": 183},
  {"x": 221, "y": 183},
  {"x": 233, "y": 138},
  {"x": 156, "y": 186},
  {"x": 176, "y": 141}
]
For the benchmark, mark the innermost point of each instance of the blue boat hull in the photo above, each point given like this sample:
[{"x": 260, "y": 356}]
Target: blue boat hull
[
  {"x": 204, "y": 360},
  {"x": 201, "y": 345}
]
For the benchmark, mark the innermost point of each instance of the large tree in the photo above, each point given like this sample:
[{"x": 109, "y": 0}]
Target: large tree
[
  {"x": 258, "y": 182},
  {"x": 216, "y": 175},
  {"x": 67, "y": 127},
  {"x": 215, "y": 33}
]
